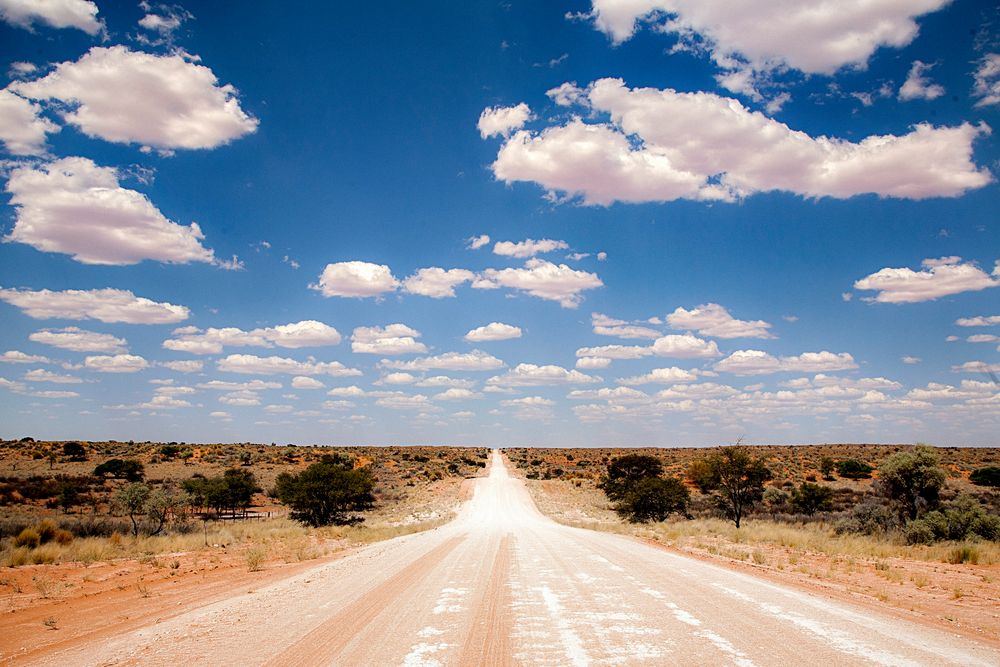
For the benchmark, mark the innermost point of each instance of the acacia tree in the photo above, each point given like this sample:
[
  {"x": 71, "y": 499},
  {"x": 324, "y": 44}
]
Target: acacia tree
[
  {"x": 913, "y": 479},
  {"x": 326, "y": 492},
  {"x": 131, "y": 501},
  {"x": 626, "y": 471},
  {"x": 737, "y": 479}
]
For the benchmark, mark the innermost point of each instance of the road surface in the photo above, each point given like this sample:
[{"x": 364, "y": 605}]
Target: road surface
[{"x": 503, "y": 585}]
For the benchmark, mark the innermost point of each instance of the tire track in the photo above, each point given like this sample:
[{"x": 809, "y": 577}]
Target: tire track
[{"x": 488, "y": 642}]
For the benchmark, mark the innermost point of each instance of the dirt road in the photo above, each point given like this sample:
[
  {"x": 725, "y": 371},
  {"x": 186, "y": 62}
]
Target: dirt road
[{"x": 503, "y": 585}]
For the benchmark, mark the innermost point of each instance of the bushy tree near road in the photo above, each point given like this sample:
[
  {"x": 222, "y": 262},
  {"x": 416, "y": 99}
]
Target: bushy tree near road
[{"x": 326, "y": 492}]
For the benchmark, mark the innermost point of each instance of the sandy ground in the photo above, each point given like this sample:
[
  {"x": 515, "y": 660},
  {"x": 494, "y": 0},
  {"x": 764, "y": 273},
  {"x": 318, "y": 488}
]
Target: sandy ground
[{"x": 502, "y": 584}]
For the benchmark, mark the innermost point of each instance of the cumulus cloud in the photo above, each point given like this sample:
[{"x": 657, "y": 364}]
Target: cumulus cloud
[
  {"x": 593, "y": 363},
  {"x": 22, "y": 128},
  {"x": 445, "y": 381},
  {"x": 75, "y": 207},
  {"x": 816, "y": 37},
  {"x": 476, "y": 360},
  {"x": 531, "y": 375},
  {"x": 118, "y": 363},
  {"x": 671, "y": 375},
  {"x": 527, "y": 247},
  {"x": 400, "y": 401},
  {"x": 493, "y": 331},
  {"x": 542, "y": 279},
  {"x": 79, "y": 340},
  {"x": 303, "y": 382},
  {"x": 184, "y": 366},
  {"x": 685, "y": 346},
  {"x": 392, "y": 340},
  {"x": 567, "y": 95},
  {"x": 502, "y": 120},
  {"x": 919, "y": 87},
  {"x": 436, "y": 282},
  {"x": 938, "y": 278},
  {"x": 165, "y": 102},
  {"x": 615, "y": 352},
  {"x": 307, "y": 333},
  {"x": 80, "y": 14},
  {"x": 18, "y": 357},
  {"x": 608, "y": 394},
  {"x": 980, "y": 321},
  {"x": 711, "y": 319},
  {"x": 457, "y": 394},
  {"x": 105, "y": 305},
  {"x": 41, "y": 375},
  {"x": 249, "y": 364},
  {"x": 477, "y": 242},
  {"x": 397, "y": 378},
  {"x": 663, "y": 145},
  {"x": 252, "y": 385},
  {"x": 757, "y": 362},
  {"x": 987, "y": 80},
  {"x": 356, "y": 279}
]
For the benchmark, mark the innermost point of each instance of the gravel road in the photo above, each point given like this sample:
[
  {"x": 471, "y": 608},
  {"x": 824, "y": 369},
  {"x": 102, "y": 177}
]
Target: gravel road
[{"x": 503, "y": 585}]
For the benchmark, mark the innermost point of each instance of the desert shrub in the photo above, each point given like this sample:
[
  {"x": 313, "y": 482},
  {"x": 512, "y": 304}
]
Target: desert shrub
[
  {"x": 75, "y": 451},
  {"x": 774, "y": 498},
  {"x": 913, "y": 480},
  {"x": 869, "y": 518},
  {"x": 854, "y": 469},
  {"x": 826, "y": 466},
  {"x": 965, "y": 519},
  {"x": 702, "y": 475},
  {"x": 326, "y": 492},
  {"x": 653, "y": 499},
  {"x": 810, "y": 498},
  {"x": 46, "y": 529},
  {"x": 126, "y": 469},
  {"x": 28, "y": 537},
  {"x": 737, "y": 480},
  {"x": 988, "y": 476}
]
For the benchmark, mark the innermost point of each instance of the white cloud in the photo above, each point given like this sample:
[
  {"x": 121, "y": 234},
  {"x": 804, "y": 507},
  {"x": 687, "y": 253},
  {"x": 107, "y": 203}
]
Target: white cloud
[
  {"x": 493, "y": 331},
  {"x": 919, "y": 87},
  {"x": 593, "y": 363},
  {"x": 477, "y": 242},
  {"x": 527, "y": 247},
  {"x": 911, "y": 360},
  {"x": 615, "y": 352},
  {"x": 445, "y": 381},
  {"x": 397, "y": 378},
  {"x": 41, "y": 375},
  {"x": 55, "y": 394},
  {"x": 980, "y": 321},
  {"x": 253, "y": 385},
  {"x": 671, "y": 375},
  {"x": 938, "y": 278},
  {"x": 253, "y": 365},
  {"x": 22, "y": 128},
  {"x": 607, "y": 394},
  {"x": 79, "y": 340},
  {"x": 542, "y": 279},
  {"x": 218, "y": 414},
  {"x": 164, "y": 102},
  {"x": 18, "y": 357},
  {"x": 184, "y": 366},
  {"x": 663, "y": 145},
  {"x": 356, "y": 279},
  {"x": 303, "y": 382},
  {"x": 436, "y": 282},
  {"x": 976, "y": 367},
  {"x": 567, "y": 95},
  {"x": 76, "y": 207},
  {"x": 531, "y": 375},
  {"x": 532, "y": 401},
  {"x": 711, "y": 319},
  {"x": 307, "y": 333},
  {"x": 502, "y": 120},
  {"x": 530, "y": 407},
  {"x": 353, "y": 391},
  {"x": 987, "y": 80},
  {"x": 80, "y": 14},
  {"x": 402, "y": 401},
  {"x": 12, "y": 385},
  {"x": 685, "y": 346},
  {"x": 476, "y": 360},
  {"x": 456, "y": 394},
  {"x": 608, "y": 326},
  {"x": 982, "y": 338},
  {"x": 118, "y": 363},
  {"x": 757, "y": 362},
  {"x": 816, "y": 37},
  {"x": 392, "y": 340},
  {"x": 104, "y": 305}
]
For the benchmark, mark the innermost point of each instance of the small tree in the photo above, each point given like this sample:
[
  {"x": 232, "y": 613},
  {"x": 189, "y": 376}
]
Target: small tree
[
  {"x": 854, "y": 469},
  {"x": 703, "y": 475},
  {"x": 325, "y": 492},
  {"x": 826, "y": 468},
  {"x": 912, "y": 479},
  {"x": 75, "y": 451},
  {"x": 738, "y": 480},
  {"x": 160, "y": 506},
  {"x": 131, "y": 501},
  {"x": 127, "y": 469},
  {"x": 624, "y": 471},
  {"x": 653, "y": 499},
  {"x": 811, "y": 498}
]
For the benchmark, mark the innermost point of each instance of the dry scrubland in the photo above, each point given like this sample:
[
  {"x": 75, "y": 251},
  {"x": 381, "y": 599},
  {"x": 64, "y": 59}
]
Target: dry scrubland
[{"x": 956, "y": 584}]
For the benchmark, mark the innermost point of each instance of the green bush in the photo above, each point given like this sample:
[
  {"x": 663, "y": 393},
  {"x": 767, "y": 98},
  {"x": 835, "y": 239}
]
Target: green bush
[
  {"x": 811, "y": 498},
  {"x": 625, "y": 471},
  {"x": 326, "y": 492},
  {"x": 653, "y": 499},
  {"x": 913, "y": 480},
  {"x": 854, "y": 469},
  {"x": 965, "y": 519},
  {"x": 27, "y": 538},
  {"x": 869, "y": 518},
  {"x": 988, "y": 476}
]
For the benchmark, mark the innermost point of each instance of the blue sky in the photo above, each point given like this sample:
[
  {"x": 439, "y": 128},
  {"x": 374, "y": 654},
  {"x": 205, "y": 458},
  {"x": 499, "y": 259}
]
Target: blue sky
[{"x": 619, "y": 223}]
